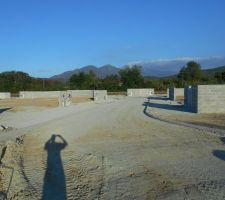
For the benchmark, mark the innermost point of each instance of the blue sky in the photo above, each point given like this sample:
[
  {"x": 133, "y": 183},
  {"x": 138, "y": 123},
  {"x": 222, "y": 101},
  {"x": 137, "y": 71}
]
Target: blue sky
[{"x": 44, "y": 37}]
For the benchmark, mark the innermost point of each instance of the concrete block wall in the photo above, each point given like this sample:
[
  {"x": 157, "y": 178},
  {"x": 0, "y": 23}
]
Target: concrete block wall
[
  {"x": 39, "y": 94},
  {"x": 145, "y": 92},
  {"x": 175, "y": 92},
  {"x": 211, "y": 99},
  {"x": 5, "y": 95},
  {"x": 65, "y": 98},
  {"x": 100, "y": 95},
  {"x": 191, "y": 98},
  {"x": 168, "y": 93},
  {"x": 54, "y": 94},
  {"x": 205, "y": 98},
  {"x": 96, "y": 94},
  {"x": 82, "y": 93}
]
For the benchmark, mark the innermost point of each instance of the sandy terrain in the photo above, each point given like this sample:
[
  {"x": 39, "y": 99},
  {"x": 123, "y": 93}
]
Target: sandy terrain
[
  {"x": 109, "y": 150},
  {"x": 16, "y": 103},
  {"x": 80, "y": 99},
  {"x": 175, "y": 111},
  {"x": 42, "y": 102}
]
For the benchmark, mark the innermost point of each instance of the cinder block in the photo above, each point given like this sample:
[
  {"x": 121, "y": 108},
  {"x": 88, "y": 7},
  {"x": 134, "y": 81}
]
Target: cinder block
[
  {"x": 205, "y": 98},
  {"x": 5, "y": 95},
  {"x": 100, "y": 95},
  {"x": 140, "y": 92},
  {"x": 175, "y": 92}
]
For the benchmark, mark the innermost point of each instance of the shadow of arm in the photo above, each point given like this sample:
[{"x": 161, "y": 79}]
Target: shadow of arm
[{"x": 63, "y": 140}]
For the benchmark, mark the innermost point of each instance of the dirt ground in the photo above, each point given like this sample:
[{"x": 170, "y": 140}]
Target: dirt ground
[
  {"x": 209, "y": 120},
  {"x": 16, "y": 103},
  {"x": 175, "y": 111},
  {"x": 110, "y": 150},
  {"x": 81, "y": 99}
]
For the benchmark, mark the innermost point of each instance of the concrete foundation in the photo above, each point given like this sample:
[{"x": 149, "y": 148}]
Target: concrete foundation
[
  {"x": 39, "y": 94},
  {"x": 191, "y": 98},
  {"x": 205, "y": 99},
  {"x": 175, "y": 92},
  {"x": 5, "y": 95},
  {"x": 145, "y": 92},
  {"x": 168, "y": 93},
  {"x": 82, "y": 93},
  {"x": 95, "y": 94},
  {"x": 100, "y": 95},
  {"x": 65, "y": 98}
]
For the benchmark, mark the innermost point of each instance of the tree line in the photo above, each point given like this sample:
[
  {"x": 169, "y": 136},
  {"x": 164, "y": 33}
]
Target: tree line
[
  {"x": 19, "y": 81},
  {"x": 128, "y": 77}
]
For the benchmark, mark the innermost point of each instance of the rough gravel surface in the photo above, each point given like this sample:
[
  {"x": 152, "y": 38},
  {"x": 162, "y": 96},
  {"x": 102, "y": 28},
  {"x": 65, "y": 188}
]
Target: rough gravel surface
[{"x": 108, "y": 150}]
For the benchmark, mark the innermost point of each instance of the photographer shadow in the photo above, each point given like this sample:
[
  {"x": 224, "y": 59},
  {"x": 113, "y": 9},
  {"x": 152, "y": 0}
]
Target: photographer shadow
[{"x": 54, "y": 186}]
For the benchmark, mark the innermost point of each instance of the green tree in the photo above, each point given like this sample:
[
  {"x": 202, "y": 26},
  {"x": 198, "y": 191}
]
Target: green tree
[
  {"x": 14, "y": 82},
  {"x": 111, "y": 83},
  {"x": 189, "y": 74},
  {"x": 220, "y": 77},
  {"x": 83, "y": 81},
  {"x": 131, "y": 77}
]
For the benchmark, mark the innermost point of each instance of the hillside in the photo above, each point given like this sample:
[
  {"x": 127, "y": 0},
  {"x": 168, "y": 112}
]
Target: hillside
[
  {"x": 157, "y": 69},
  {"x": 100, "y": 72},
  {"x": 208, "y": 73},
  {"x": 211, "y": 72}
]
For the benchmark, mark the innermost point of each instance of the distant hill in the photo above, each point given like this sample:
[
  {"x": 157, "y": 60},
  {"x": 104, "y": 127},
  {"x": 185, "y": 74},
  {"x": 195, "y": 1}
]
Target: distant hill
[
  {"x": 208, "y": 73},
  {"x": 158, "y": 68},
  {"x": 211, "y": 72},
  {"x": 169, "y": 67},
  {"x": 100, "y": 72}
]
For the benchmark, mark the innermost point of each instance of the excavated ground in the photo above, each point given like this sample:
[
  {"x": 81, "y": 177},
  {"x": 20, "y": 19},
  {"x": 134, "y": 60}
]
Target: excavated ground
[{"x": 109, "y": 150}]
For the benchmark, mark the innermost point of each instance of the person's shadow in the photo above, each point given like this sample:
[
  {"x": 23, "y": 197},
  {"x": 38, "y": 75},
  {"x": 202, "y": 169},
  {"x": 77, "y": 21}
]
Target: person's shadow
[{"x": 54, "y": 186}]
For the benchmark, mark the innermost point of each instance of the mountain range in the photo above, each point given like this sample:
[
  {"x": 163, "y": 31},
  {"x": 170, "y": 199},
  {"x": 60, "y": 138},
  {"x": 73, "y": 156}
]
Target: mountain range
[
  {"x": 158, "y": 68},
  {"x": 100, "y": 72}
]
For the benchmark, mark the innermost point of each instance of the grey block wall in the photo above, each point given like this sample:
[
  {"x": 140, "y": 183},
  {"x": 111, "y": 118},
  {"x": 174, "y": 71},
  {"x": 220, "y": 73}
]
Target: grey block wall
[
  {"x": 142, "y": 92},
  {"x": 211, "y": 99},
  {"x": 65, "y": 98},
  {"x": 39, "y": 94},
  {"x": 100, "y": 95},
  {"x": 96, "y": 94},
  {"x": 168, "y": 93},
  {"x": 5, "y": 95},
  {"x": 191, "y": 98},
  {"x": 55, "y": 94},
  {"x": 175, "y": 92},
  {"x": 171, "y": 94},
  {"x": 205, "y": 99},
  {"x": 82, "y": 93}
]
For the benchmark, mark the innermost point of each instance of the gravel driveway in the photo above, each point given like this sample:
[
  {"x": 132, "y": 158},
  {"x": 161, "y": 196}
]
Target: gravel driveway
[{"x": 109, "y": 150}]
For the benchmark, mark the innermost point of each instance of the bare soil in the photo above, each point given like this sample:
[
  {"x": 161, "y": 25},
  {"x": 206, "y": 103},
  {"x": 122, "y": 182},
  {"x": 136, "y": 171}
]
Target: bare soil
[
  {"x": 40, "y": 102},
  {"x": 111, "y": 150},
  {"x": 209, "y": 120},
  {"x": 81, "y": 99},
  {"x": 18, "y": 104},
  {"x": 175, "y": 111}
]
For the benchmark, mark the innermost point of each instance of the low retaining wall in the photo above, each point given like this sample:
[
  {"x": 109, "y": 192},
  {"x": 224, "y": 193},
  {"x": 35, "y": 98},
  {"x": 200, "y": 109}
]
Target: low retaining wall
[
  {"x": 146, "y": 92},
  {"x": 175, "y": 92},
  {"x": 100, "y": 95},
  {"x": 96, "y": 94},
  {"x": 81, "y": 93},
  {"x": 39, "y": 94},
  {"x": 5, "y": 95},
  {"x": 205, "y": 98}
]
